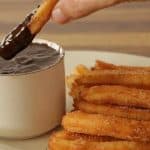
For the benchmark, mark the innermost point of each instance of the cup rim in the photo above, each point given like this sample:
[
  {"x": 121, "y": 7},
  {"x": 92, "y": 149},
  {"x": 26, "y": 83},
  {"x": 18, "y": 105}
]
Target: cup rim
[{"x": 49, "y": 44}]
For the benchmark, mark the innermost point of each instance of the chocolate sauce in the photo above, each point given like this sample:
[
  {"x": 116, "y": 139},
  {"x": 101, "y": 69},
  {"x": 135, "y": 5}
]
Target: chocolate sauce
[
  {"x": 17, "y": 40},
  {"x": 33, "y": 58}
]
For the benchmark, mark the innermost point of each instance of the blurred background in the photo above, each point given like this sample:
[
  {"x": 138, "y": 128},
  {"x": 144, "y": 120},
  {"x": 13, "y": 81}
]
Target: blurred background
[{"x": 123, "y": 28}]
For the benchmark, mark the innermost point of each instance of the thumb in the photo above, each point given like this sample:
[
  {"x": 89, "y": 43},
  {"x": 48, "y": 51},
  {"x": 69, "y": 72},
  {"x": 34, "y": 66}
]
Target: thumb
[{"x": 67, "y": 10}]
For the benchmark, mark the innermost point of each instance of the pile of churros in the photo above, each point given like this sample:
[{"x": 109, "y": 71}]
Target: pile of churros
[{"x": 111, "y": 109}]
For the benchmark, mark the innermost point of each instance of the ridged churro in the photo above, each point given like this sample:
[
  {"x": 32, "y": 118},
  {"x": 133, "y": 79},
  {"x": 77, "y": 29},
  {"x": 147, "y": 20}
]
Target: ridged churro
[
  {"x": 112, "y": 110},
  {"x": 115, "y": 77},
  {"x": 101, "y": 65},
  {"x": 62, "y": 141},
  {"x": 101, "y": 125},
  {"x": 114, "y": 95}
]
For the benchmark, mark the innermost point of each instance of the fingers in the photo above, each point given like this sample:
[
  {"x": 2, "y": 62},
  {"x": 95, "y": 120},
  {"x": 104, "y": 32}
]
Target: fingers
[{"x": 67, "y": 10}]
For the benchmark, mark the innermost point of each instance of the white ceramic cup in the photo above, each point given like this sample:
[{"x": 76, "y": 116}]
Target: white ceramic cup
[{"x": 32, "y": 103}]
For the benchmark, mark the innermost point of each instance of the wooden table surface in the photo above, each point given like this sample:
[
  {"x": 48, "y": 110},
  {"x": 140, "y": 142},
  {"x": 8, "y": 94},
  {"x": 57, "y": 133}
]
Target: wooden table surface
[{"x": 123, "y": 28}]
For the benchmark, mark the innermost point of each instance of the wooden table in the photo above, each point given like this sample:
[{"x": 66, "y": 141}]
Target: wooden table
[{"x": 123, "y": 28}]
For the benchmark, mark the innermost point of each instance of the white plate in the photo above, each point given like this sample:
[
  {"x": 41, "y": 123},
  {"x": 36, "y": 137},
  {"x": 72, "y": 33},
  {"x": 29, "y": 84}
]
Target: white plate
[{"x": 71, "y": 60}]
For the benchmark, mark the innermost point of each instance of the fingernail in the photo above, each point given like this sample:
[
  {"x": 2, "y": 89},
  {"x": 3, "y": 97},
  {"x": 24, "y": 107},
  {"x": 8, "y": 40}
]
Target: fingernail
[{"x": 58, "y": 16}]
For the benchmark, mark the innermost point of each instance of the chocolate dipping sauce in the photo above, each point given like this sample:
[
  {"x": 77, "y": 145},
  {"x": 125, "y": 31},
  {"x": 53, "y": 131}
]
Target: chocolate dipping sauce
[{"x": 34, "y": 57}]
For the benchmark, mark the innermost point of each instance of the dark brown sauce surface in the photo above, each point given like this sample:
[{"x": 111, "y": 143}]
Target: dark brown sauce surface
[{"x": 34, "y": 57}]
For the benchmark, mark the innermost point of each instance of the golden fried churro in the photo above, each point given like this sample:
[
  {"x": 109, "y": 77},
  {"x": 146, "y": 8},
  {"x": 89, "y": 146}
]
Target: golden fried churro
[
  {"x": 89, "y": 137},
  {"x": 81, "y": 70},
  {"x": 114, "y": 95},
  {"x": 62, "y": 141},
  {"x": 100, "y": 125},
  {"x": 109, "y": 101},
  {"x": 115, "y": 77},
  {"x": 104, "y": 65},
  {"x": 112, "y": 110},
  {"x": 70, "y": 81},
  {"x": 42, "y": 15}
]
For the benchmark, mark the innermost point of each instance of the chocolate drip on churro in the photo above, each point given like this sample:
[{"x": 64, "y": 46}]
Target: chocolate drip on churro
[{"x": 21, "y": 34}]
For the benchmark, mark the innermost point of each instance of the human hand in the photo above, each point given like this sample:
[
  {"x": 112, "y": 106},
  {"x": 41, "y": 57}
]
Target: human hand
[{"x": 67, "y": 10}]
